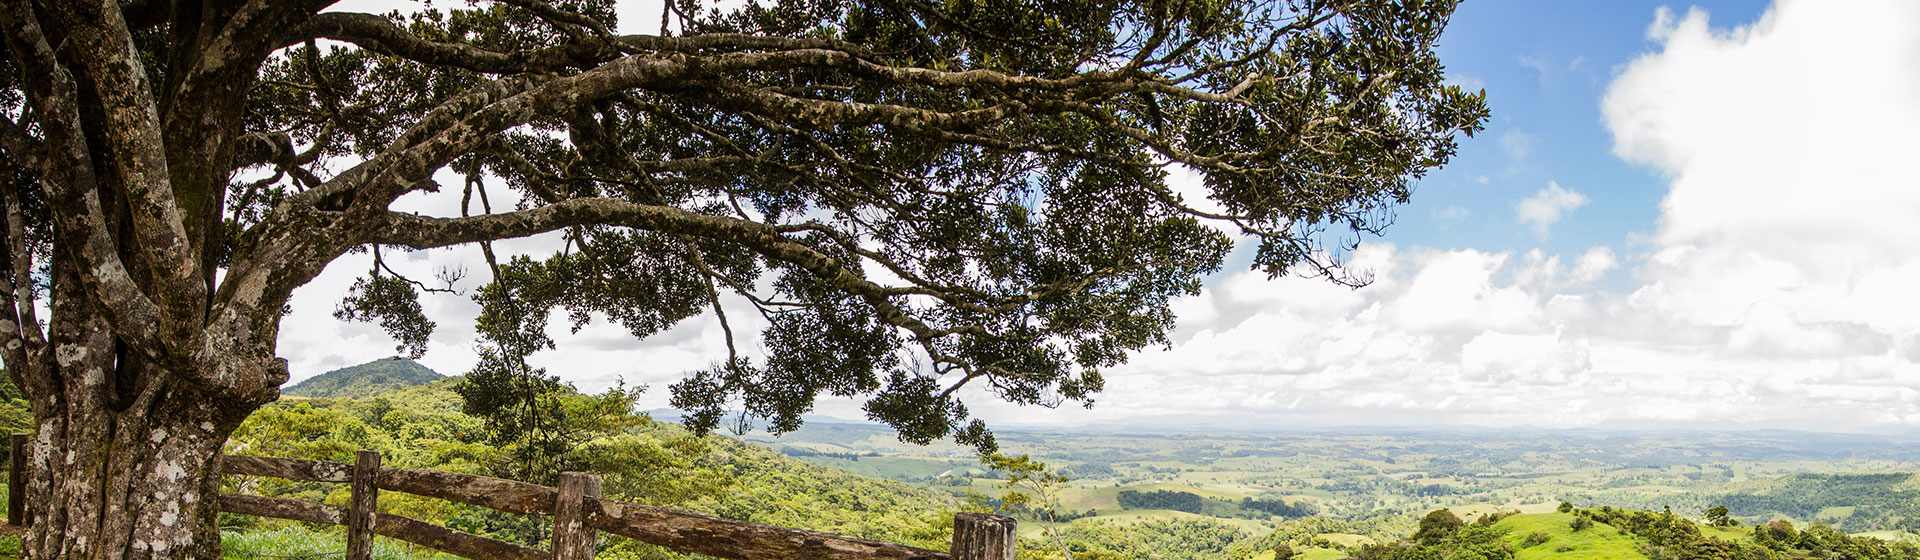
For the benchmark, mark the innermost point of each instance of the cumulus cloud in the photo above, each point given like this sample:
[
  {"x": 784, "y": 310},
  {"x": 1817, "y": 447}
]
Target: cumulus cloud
[
  {"x": 1593, "y": 264},
  {"x": 1786, "y": 142},
  {"x": 1546, "y": 207}
]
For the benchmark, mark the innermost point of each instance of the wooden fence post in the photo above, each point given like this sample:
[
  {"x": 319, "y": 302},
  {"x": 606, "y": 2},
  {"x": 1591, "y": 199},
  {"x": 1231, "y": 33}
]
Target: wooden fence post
[
  {"x": 983, "y": 536},
  {"x": 17, "y": 481},
  {"x": 361, "y": 507},
  {"x": 572, "y": 539}
]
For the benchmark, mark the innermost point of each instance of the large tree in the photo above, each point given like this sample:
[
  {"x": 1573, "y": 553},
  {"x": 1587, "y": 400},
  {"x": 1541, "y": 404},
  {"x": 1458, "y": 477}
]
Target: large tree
[{"x": 917, "y": 196}]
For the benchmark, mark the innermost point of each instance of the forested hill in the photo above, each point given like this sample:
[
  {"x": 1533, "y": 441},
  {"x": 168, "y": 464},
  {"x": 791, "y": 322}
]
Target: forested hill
[{"x": 365, "y": 380}]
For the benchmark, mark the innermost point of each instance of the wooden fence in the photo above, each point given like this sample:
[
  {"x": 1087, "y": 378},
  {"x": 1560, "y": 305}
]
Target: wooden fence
[{"x": 578, "y": 511}]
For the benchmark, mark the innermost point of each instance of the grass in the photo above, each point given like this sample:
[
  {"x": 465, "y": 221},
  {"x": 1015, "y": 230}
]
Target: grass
[
  {"x": 297, "y": 542},
  {"x": 283, "y": 543},
  {"x": 1888, "y": 535},
  {"x": 1132, "y": 516},
  {"x": 1834, "y": 513},
  {"x": 1598, "y": 542},
  {"x": 1728, "y": 534},
  {"x": 1346, "y": 539},
  {"x": 1315, "y": 553}
]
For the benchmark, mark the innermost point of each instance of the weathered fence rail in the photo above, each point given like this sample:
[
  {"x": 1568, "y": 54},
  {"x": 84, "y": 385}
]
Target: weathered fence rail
[{"x": 578, "y": 510}]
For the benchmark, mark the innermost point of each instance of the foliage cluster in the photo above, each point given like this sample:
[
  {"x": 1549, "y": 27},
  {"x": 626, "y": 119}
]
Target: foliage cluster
[
  {"x": 1879, "y": 500},
  {"x": 1442, "y": 535},
  {"x": 1189, "y": 502},
  {"x": 1168, "y": 539},
  {"x": 1669, "y": 536}
]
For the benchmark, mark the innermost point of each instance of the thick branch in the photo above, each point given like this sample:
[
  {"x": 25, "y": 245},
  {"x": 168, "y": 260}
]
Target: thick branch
[
  {"x": 421, "y": 232},
  {"x": 104, "y": 46},
  {"x": 69, "y": 179},
  {"x": 380, "y": 35}
]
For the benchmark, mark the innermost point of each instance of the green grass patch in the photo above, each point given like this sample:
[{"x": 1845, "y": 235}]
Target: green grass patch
[
  {"x": 1346, "y": 539},
  {"x": 1834, "y": 513},
  {"x": 1315, "y": 553},
  {"x": 1728, "y": 534},
  {"x": 1598, "y": 542},
  {"x": 1132, "y": 516},
  {"x": 294, "y": 541},
  {"x": 1889, "y": 535}
]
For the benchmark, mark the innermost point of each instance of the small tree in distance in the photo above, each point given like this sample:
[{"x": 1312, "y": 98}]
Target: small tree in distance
[{"x": 1717, "y": 516}]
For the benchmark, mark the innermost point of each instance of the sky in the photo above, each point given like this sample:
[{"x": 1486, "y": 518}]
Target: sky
[{"x": 1680, "y": 215}]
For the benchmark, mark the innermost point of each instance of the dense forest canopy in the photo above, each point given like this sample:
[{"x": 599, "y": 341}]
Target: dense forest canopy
[{"x": 916, "y": 197}]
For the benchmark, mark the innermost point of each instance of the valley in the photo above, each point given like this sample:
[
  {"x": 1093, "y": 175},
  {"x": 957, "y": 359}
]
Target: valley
[
  {"x": 1173, "y": 494},
  {"x": 1380, "y": 478}
]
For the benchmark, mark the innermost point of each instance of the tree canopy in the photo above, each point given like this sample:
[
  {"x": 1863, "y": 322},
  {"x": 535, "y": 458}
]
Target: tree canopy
[{"x": 916, "y": 198}]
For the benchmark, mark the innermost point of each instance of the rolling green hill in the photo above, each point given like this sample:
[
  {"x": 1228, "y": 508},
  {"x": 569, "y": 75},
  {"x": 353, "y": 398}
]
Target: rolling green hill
[
  {"x": 365, "y": 380},
  {"x": 1583, "y": 534}
]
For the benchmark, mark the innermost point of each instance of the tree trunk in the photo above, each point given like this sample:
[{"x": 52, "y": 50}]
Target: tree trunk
[
  {"x": 106, "y": 485},
  {"x": 122, "y": 464}
]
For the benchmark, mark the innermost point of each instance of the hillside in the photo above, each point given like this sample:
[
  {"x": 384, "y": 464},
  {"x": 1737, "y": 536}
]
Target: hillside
[
  {"x": 365, "y": 380},
  {"x": 1579, "y": 534},
  {"x": 643, "y": 461}
]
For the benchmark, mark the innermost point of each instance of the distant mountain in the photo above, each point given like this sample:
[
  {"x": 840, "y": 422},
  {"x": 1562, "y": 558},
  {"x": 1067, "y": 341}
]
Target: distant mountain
[{"x": 365, "y": 380}]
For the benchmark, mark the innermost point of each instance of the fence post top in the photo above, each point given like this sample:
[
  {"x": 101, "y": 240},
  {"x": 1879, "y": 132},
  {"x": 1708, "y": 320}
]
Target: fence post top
[
  {"x": 982, "y": 518},
  {"x": 586, "y": 476}
]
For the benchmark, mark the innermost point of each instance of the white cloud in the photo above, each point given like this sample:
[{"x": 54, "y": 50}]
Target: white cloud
[
  {"x": 1593, "y": 264},
  {"x": 1517, "y": 144},
  {"x": 1539, "y": 66},
  {"x": 1787, "y": 143},
  {"x": 1546, "y": 207}
]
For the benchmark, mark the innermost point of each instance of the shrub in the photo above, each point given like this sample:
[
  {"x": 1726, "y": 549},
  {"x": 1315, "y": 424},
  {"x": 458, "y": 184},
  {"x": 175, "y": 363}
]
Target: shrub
[
  {"x": 1534, "y": 539},
  {"x": 1580, "y": 523}
]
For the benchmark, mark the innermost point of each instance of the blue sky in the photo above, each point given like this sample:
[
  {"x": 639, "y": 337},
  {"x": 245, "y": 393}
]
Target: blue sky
[
  {"x": 1680, "y": 215},
  {"x": 1545, "y": 66}
]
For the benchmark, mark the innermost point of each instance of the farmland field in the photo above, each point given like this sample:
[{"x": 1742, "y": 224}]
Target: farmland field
[{"x": 1381, "y": 477}]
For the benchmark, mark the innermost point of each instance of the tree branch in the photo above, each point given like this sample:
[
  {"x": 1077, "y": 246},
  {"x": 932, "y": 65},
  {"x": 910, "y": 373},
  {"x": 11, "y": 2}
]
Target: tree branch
[
  {"x": 68, "y": 177},
  {"x": 422, "y": 232},
  {"x": 98, "y": 35}
]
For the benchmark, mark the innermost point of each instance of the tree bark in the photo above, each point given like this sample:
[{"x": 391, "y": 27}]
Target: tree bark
[
  {"x": 122, "y": 464},
  {"x": 123, "y": 484}
]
